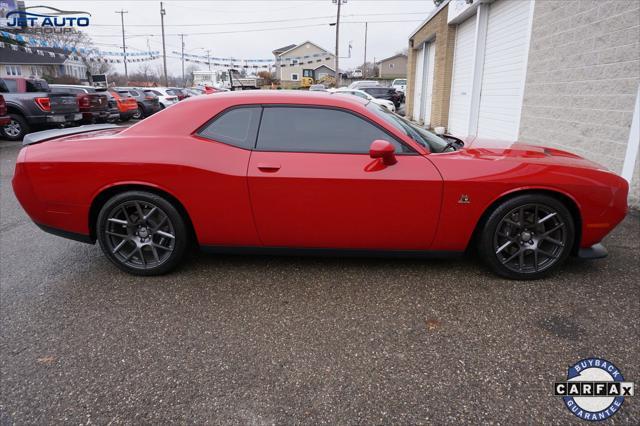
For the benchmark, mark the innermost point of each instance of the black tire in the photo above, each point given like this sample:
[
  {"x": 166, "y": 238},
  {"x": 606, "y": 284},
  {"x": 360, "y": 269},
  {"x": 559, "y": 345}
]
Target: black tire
[
  {"x": 139, "y": 114},
  {"x": 145, "y": 245},
  {"x": 527, "y": 237},
  {"x": 125, "y": 119},
  {"x": 17, "y": 129}
]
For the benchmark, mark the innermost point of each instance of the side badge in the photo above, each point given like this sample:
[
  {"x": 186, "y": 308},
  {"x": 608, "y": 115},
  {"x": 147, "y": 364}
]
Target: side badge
[{"x": 464, "y": 199}]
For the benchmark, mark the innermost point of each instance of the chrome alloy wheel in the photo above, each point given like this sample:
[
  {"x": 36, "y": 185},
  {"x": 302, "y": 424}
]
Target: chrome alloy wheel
[
  {"x": 139, "y": 234},
  {"x": 530, "y": 238},
  {"x": 13, "y": 129}
]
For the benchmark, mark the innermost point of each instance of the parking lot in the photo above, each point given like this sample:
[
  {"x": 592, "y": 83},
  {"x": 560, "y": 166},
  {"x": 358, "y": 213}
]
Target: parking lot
[{"x": 281, "y": 340}]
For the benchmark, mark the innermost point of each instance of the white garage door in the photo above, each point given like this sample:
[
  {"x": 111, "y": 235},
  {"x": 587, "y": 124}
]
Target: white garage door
[
  {"x": 419, "y": 82},
  {"x": 504, "y": 69},
  {"x": 430, "y": 57},
  {"x": 461, "y": 82}
]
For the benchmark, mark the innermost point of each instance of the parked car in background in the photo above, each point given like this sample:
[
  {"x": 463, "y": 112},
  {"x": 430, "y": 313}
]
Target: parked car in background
[
  {"x": 114, "y": 110},
  {"x": 194, "y": 91},
  {"x": 148, "y": 102},
  {"x": 363, "y": 83},
  {"x": 4, "y": 118},
  {"x": 165, "y": 97},
  {"x": 317, "y": 173},
  {"x": 317, "y": 88},
  {"x": 388, "y": 93},
  {"x": 93, "y": 105},
  {"x": 400, "y": 84},
  {"x": 356, "y": 74},
  {"x": 127, "y": 104},
  {"x": 364, "y": 95},
  {"x": 180, "y": 93},
  {"x": 32, "y": 106}
]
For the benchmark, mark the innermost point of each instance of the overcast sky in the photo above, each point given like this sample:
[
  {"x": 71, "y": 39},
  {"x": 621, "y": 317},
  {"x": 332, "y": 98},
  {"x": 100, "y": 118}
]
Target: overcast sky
[{"x": 241, "y": 20}]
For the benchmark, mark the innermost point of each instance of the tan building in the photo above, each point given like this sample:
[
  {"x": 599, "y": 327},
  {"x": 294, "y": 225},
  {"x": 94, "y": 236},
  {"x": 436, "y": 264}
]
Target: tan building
[
  {"x": 429, "y": 70},
  {"x": 551, "y": 73},
  {"x": 293, "y": 60},
  {"x": 393, "y": 67}
]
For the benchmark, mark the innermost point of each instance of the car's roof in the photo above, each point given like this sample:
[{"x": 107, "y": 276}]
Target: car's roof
[{"x": 277, "y": 96}]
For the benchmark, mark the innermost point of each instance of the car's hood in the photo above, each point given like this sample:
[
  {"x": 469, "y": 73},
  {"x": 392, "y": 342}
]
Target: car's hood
[{"x": 492, "y": 149}]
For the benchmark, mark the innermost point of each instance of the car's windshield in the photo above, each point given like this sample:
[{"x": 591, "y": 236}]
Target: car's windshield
[
  {"x": 424, "y": 137},
  {"x": 400, "y": 82}
]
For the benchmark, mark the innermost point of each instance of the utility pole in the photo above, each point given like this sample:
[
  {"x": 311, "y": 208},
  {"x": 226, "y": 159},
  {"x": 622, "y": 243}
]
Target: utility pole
[
  {"x": 209, "y": 59},
  {"x": 339, "y": 3},
  {"x": 164, "y": 48},
  {"x": 124, "y": 46},
  {"x": 364, "y": 66},
  {"x": 182, "y": 44}
]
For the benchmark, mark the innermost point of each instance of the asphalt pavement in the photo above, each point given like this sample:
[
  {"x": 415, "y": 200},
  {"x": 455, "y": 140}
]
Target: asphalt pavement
[{"x": 283, "y": 340}]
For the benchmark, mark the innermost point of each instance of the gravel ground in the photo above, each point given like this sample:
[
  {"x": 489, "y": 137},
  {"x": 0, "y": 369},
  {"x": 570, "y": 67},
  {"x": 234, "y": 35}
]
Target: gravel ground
[{"x": 262, "y": 340}]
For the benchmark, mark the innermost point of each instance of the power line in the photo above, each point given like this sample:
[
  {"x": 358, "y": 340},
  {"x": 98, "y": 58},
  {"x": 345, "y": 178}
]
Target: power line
[
  {"x": 211, "y": 24},
  {"x": 266, "y": 29}
]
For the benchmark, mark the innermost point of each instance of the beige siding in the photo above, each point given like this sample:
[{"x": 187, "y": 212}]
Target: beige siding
[
  {"x": 582, "y": 78},
  {"x": 443, "y": 35}
]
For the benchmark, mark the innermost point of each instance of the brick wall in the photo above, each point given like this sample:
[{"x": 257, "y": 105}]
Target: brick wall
[
  {"x": 582, "y": 78},
  {"x": 444, "y": 42}
]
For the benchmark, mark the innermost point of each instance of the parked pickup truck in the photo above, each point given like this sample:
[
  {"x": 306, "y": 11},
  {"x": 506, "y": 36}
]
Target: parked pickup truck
[
  {"x": 4, "y": 118},
  {"x": 94, "y": 105},
  {"x": 31, "y": 105}
]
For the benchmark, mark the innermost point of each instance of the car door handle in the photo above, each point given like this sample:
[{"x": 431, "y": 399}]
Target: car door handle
[{"x": 268, "y": 168}]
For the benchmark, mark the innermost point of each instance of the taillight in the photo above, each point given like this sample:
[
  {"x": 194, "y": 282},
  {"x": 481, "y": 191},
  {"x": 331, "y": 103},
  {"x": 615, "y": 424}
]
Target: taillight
[
  {"x": 3, "y": 106},
  {"x": 43, "y": 103},
  {"x": 149, "y": 98},
  {"x": 84, "y": 101}
]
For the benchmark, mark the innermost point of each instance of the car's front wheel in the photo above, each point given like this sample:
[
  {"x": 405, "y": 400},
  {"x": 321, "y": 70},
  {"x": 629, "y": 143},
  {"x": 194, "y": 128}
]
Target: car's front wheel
[
  {"x": 142, "y": 233},
  {"x": 527, "y": 237},
  {"x": 138, "y": 114}
]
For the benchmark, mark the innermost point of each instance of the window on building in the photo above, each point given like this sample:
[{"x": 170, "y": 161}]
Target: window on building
[
  {"x": 295, "y": 77},
  {"x": 392, "y": 65},
  {"x": 237, "y": 127},
  {"x": 302, "y": 129}
]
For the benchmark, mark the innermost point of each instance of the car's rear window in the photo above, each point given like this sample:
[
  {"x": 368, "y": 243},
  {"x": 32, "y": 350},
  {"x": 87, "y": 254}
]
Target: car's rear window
[
  {"x": 237, "y": 127},
  {"x": 37, "y": 86}
]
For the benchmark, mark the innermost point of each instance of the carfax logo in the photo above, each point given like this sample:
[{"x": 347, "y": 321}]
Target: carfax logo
[
  {"x": 595, "y": 389},
  {"x": 53, "y": 18}
]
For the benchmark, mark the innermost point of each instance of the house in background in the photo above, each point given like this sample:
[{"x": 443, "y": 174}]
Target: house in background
[
  {"x": 393, "y": 67},
  {"x": 551, "y": 73},
  {"x": 293, "y": 60},
  {"x": 26, "y": 62}
]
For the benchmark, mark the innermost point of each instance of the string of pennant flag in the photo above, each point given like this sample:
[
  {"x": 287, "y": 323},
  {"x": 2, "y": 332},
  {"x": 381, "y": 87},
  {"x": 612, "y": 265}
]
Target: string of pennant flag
[
  {"x": 252, "y": 63},
  {"x": 34, "y": 43}
]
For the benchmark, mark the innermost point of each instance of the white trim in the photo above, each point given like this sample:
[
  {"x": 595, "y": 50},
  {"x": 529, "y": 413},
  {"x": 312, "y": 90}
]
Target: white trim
[
  {"x": 634, "y": 142},
  {"x": 482, "y": 21},
  {"x": 526, "y": 64}
]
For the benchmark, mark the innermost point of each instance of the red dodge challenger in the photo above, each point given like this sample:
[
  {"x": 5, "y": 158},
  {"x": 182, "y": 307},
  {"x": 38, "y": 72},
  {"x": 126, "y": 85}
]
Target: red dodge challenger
[{"x": 280, "y": 172}]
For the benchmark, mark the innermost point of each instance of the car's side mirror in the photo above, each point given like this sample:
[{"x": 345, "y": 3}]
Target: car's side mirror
[{"x": 385, "y": 150}]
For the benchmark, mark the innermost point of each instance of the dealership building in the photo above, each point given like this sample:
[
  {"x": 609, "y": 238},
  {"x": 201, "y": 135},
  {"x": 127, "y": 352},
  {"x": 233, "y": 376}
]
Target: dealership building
[{"x": 553, "y": 73}]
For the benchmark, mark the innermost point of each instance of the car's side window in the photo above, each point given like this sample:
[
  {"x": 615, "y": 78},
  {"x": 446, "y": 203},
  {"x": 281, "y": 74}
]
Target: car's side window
[
  {"x": 308, "y": 129},
  {"x": 237, "y": 127}
]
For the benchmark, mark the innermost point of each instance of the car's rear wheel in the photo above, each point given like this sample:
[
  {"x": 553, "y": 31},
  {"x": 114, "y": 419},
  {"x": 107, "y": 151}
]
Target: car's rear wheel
[
  {"x": 142, "y": 233},
  {"x": 16, "y": 129},
  {"x": 527, "y": 237},
  {"x": 138, "y": 114}
]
